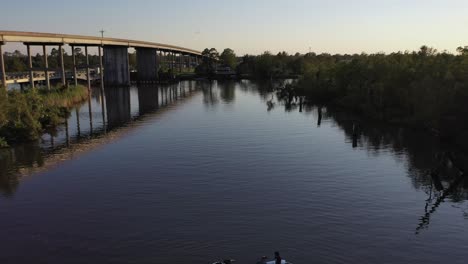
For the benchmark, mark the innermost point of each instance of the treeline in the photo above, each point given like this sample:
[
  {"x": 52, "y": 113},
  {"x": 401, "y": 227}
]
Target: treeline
[
  {"x": 266, "y": 65},
  {"x": 425, "y": 89},
  {"x": 418, "y": 84},
  {"x": 18, "y": 62},
  {"x": 269, "y": 66}
]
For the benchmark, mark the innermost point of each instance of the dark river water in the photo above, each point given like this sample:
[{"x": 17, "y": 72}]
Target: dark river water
[{"x": 195, "y": 172}]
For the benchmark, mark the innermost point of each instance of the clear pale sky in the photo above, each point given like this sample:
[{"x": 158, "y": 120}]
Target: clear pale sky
[{"x": 254, "y": 26}]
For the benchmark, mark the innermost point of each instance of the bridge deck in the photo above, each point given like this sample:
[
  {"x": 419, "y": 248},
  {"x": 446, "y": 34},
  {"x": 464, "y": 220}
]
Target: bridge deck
[{"x": 52, "y": 39}]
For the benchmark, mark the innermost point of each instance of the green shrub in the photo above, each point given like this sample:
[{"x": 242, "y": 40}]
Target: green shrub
[
  {"x": 3, "y": 143},
  {"x": 24, "y": 116}
]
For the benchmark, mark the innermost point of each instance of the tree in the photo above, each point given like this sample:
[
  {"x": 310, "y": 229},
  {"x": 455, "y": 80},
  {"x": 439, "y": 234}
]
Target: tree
[
  {"x": 425, "y": 51},
  {"x": 78, "y": 51},
  {"x": 15, "y": 62},
  {"x": 229, "y": 58},
  {"x": 207, "y": 67},
  {"x": 53, "y": 58},
  {"x": 463, "y": 50},
  {"x": 213, "y": 54},
  {"x": 17, "y": 54}
]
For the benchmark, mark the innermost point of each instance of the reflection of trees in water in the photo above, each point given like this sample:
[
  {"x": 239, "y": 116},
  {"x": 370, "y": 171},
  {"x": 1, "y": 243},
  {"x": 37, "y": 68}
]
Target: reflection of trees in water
[
  {"x": 423, "y": 153},
  {"x": 14, "y": 159},
  {"x": 210, "y": 95},
  {"x": 438, "y": 194},
  {"x": 432, "y": 167},
  {"x": 264, "y": 88},
  {"x": 227, "y": 91}
]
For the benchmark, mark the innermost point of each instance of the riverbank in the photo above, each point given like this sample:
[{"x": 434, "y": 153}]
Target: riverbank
[
  {"x": 425, "y": 90},
  {"x": 25, "y": 115},
  {"x": 451, "y": 129}
]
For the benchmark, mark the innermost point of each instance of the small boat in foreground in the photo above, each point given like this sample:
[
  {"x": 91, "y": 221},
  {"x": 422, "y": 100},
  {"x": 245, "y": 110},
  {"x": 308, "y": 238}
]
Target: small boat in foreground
[{"x": 231, "y": 261}]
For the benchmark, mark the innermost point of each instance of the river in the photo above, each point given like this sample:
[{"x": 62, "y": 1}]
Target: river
[{"x": 197, "y": 171}]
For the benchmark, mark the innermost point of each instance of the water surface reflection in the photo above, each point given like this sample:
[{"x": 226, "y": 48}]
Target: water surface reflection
[
  {"x": 195, "y": 171},
  {"x": 87, "y": 128}
]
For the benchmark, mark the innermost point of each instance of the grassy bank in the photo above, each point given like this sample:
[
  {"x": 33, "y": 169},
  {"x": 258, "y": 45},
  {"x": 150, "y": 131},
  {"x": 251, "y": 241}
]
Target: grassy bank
[{"x": 25, "y": 115}]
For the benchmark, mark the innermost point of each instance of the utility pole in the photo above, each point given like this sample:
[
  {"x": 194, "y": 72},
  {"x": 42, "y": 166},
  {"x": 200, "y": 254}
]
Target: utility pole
[{"x": 102, "y": 33}]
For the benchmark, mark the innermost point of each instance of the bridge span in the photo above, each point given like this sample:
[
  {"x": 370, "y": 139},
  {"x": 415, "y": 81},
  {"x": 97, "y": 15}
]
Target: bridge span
[{"x": 113, "y": 54}]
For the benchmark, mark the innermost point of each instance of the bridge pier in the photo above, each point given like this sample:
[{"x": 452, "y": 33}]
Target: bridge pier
[
  {"x": 167, "y": 60},
  {"x": 171, "y": 61},
  {"x": 181, "y": 59},
  {"x": 2, "y": 65},
  {"x": 161, "y": 61},
  {"x": 46, "y": 65},
  {"x": 88, "y": 77},
  {"x": 62, "y": 66},
  {"x": 75, "y": 79},
  {"x": 158, "y": 62},
  {"x": 116, "y": 65},
  {"x": 46, "y": 62},
  {"x": 31, "y": 73},
  {"x": 147, "y": 65},
  {"x": 101, "y": 71}
]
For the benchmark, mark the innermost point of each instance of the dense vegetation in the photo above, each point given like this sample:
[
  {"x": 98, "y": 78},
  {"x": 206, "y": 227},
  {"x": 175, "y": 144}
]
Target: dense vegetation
[
  {"x": 25, "y": 115},
  {"x": 207, "y": 66},
  {"x": 18, "y": 62},
  {"x": 425, "y": 89}
]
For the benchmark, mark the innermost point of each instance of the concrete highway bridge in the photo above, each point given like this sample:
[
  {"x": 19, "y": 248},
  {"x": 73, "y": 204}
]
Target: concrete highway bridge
[{"x": 113, "y": 54}]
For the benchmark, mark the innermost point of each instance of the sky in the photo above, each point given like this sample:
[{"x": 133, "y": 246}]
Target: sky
[{"x": 254, "y": 26}]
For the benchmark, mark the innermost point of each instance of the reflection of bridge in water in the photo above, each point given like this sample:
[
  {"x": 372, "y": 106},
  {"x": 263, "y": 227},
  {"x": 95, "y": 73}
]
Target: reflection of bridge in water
[{"x": 88, "y": 130}]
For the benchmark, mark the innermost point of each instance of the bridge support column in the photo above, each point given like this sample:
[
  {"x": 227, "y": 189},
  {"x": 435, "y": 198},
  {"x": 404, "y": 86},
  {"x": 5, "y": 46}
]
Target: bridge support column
[
  {"x": 103, "y": 94},
  {"x": 158, "y": 63},
  {"x": 88, "y": 77},
  {"x": 75, "y": 79},
  {"x": 31, "y": 73},
  {"x": 101, "y": 70},
  {"x": 171, "y": 56},
  {"x": 166, "y": 60},
  {"x": 147, "y": 65},
  {"x": 162, "y": 60},
  {"x": 62, "y": 66},
  {"x": 2, "y": 65},
  {"x": 46, "y": 65},
  {"x": 116, "y": 65},
  {"x": 181, "y": 62}
]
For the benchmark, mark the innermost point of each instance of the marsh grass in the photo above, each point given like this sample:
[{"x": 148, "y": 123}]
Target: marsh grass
[{"x": 25, "y": 115}]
